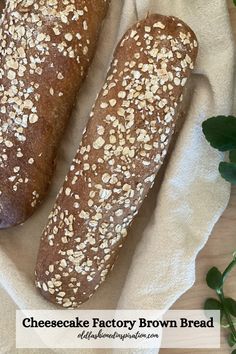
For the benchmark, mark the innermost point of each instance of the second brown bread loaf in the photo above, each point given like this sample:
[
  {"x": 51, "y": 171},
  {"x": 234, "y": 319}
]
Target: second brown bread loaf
[
  {"x": 122, "y": 149},
  {"x": 46, "y": 47}
]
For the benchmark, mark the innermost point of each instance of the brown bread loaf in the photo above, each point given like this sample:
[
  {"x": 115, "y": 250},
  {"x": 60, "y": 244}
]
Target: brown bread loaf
[
  {"x": 122, "y": 149},
  {"x": 2, "y": 5},
  {"x": 46, "y": 47}
]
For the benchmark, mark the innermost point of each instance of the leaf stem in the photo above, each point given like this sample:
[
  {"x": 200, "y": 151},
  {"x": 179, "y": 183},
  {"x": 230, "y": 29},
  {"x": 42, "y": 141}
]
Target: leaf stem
[
  {"x": 229, "y": 268},
  {"x": 220, "y": 293},
  {"x": 226, "y": 312}
]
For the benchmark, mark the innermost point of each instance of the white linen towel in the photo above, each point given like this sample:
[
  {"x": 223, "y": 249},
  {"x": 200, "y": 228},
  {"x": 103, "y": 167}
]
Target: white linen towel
[{"x": 157, "y": 263}]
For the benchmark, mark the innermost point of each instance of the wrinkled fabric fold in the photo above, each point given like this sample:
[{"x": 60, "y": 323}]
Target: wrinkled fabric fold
[{"x": 157, "y": 264}]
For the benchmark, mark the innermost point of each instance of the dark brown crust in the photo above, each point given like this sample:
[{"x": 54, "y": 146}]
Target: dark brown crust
[
  {"x": 122, "y": 149},
  {"x": 45, "y": 49},
  {"x": 2, "y": 5}
]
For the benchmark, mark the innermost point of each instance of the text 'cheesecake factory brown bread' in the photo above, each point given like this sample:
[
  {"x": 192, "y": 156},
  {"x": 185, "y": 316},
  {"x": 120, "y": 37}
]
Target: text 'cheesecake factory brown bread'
[
  {"x": 45, "y": 49},
  {"x": 122, "y": 149}
]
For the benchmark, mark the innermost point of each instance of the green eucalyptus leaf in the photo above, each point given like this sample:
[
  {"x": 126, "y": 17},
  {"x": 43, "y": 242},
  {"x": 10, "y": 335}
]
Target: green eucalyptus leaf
[
  {"x": 231, "y": 306},
  {"x": 232, "y": 156},
  {"x": 228, "y": 171},
  {"x": 214, "y": 279},
  {"x": 220, "y": 131},
  {"x": 212, "y": 304},
  {"x": 231, "y": 340},
  {"x": 234, "y": 1},
  {"x": 234, "y": 351}
]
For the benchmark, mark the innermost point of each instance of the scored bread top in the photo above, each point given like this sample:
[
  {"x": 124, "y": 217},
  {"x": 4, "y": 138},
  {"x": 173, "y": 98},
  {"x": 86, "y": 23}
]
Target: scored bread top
[
  {"x": 123, "y": 147},
  {"x": 45, "y": 50}
]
